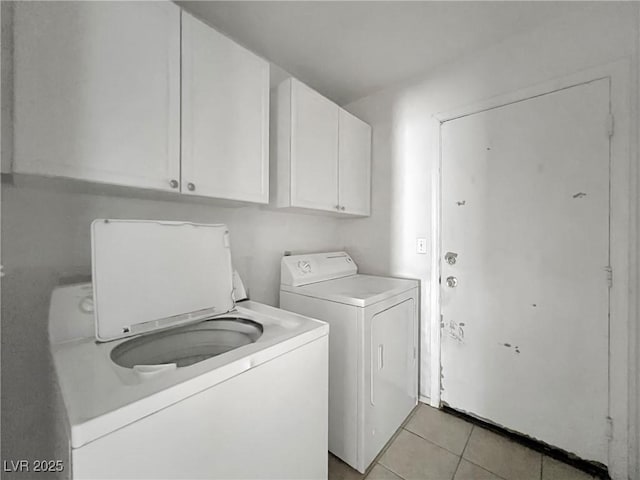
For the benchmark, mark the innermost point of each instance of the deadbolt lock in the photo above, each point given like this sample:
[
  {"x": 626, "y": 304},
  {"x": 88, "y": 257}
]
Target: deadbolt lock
[
  {"x": 452, "y": 282},
  {"x": 451, "y": 257}
]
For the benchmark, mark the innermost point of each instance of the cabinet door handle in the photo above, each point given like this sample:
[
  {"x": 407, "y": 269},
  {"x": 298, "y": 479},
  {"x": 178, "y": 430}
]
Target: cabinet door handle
[
  {"x": 337, "y": 207},
  {"x": 174, "y": 183},
  {"x": 191, "y": 186},
  {"x": 342, "y": 208}
]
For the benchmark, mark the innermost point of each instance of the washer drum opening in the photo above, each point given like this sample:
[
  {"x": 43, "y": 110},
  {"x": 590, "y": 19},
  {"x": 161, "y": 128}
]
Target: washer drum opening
[{"x": 184, "y": 346}]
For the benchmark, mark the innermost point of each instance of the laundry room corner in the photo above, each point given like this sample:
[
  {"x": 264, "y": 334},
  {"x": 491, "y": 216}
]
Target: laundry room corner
[{"x": 321, "y": 180}]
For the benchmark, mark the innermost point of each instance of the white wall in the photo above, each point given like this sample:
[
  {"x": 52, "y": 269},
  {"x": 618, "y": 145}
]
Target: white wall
[{"x": 404, "y": 140}]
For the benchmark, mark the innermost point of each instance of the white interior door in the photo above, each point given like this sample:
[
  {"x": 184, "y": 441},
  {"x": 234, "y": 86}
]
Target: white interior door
[{"x": 525, "y": 206}]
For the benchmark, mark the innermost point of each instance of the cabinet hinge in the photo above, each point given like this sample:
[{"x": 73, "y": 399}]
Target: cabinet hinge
[
  {"x": 609, "y": 428},
  {"x": 610, "y": 125},
  {"x": 609, "y": 270},
  {"x": 441, "y": 321}
]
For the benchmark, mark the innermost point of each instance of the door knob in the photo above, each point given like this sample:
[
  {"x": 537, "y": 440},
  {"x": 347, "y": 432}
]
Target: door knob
[
  {"x": 451, "y": 258},
  {"x": 452, "y": 282}
]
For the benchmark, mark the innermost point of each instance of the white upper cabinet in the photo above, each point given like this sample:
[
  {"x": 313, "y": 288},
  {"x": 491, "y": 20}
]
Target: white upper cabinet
[
  {"x": 323, "y": 153},
  {"x": 225, "y": 116},
  {"x": 97, "y": 91},
  {"x": 314, "y": 156},
  {"x": 354, "y": 162}
]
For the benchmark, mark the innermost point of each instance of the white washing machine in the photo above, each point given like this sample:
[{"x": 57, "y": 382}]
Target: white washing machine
[
  {"x": 164, "y": 376},
  {"x": 373, "y": 347}
]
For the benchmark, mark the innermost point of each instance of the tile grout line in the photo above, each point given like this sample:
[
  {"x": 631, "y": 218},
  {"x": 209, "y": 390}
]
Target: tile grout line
[
  {"x": 428, "y": 441},
  {"x": 462, "y": 453},
  {"x": 438, "y": 445},
  {"x": 388, "y": 470},
  {"x": 485, "y": 469},
  {"x": 473, "y": 427},
  {"x": 433, "y": 443},
  {"x": 541, "y": 466}
]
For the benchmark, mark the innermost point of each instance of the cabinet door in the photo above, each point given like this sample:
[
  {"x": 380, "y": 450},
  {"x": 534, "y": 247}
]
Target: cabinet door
[
  {"x": 314, "y": 149},
  {"x": 225, "y": 116},
  {"x": 354, "y": 162},
  {"x": 97, "y": 91}
]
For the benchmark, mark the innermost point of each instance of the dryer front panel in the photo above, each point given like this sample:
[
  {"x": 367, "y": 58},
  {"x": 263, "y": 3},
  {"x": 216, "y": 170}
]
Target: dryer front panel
[{"x": 391, "y": 373}]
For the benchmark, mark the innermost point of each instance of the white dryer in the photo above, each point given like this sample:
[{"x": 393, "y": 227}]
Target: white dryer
[
  {"x": 373, "y": 347},
  {"x": 181, "y": 382}
]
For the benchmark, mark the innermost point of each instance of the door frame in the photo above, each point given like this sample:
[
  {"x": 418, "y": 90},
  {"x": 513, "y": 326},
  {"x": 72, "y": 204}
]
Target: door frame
[{"x": 622, "y": 242}]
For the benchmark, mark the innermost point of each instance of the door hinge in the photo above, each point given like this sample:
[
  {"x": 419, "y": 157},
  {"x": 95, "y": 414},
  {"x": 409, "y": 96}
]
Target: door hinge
[
  {"x": 609, "y": 271},
  {"x": 610, "y": 124},
  {"x": 441, "y": 321},
  {"x": 609, "y": 428}
]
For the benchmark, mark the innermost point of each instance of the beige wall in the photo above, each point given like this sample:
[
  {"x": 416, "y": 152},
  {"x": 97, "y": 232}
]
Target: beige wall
[{"x": 405, "y": 142}]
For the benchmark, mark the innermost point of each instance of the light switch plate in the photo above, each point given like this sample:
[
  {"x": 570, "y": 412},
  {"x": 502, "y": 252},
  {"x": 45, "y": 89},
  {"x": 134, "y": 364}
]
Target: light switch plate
[{"x": 421, "y": 245}]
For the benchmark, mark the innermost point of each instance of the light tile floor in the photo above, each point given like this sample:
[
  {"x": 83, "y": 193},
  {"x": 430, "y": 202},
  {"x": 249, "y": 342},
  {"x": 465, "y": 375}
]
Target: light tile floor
[{"x": 433, "y": 445}]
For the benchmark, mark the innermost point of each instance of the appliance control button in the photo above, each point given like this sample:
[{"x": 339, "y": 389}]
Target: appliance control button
[
  {"x": 304, "y": 266},
  {"x": 86, "y": 305}
]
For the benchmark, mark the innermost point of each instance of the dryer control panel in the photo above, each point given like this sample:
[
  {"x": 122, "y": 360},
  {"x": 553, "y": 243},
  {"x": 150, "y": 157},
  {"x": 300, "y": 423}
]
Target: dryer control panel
[{"x": 297, "y": 270}]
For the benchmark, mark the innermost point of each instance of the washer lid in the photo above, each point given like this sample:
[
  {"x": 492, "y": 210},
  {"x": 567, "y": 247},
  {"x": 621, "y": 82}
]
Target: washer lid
[{"x": 149, "y": 275}]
